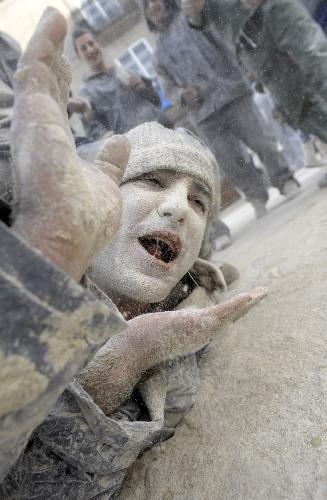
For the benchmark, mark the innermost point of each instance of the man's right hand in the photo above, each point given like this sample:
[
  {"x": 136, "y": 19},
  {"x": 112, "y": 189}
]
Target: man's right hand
[
  {"x": 151, "y": 339},
  {"x": 66, "y": 208},
  {"x": 190, "y": 96}
]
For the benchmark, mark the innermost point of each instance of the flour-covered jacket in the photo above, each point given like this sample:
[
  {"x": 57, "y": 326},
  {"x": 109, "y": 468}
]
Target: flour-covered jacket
[
  {"x": 79, "y": 452},
  {"x": 199, "y": 58},
  {"x": 117, "y": 107}
]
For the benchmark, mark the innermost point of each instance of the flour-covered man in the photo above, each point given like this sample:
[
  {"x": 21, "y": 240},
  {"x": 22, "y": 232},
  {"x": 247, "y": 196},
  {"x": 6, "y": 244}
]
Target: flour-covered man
[{"x": 141, "y": 383}]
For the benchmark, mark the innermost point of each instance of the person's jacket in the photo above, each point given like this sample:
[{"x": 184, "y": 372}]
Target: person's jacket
[
  {"x": 79, "y": 452},
  {"x": 284, "y": 48},
  {"x": 117, "y": 107},
  {"x": 187, "y": 56}
]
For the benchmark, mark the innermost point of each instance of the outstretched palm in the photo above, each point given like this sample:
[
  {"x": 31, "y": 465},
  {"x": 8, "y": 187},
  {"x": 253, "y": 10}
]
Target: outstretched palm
[{"x": 66, "y": 208}]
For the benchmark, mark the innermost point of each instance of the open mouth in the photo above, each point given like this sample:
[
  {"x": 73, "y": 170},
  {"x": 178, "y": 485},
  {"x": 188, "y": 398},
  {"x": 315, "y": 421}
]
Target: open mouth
[{"x": 164, "y": 247}]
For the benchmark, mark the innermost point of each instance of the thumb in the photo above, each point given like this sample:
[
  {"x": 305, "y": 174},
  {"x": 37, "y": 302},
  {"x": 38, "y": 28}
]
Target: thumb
[{"x": 113, "y": 157}]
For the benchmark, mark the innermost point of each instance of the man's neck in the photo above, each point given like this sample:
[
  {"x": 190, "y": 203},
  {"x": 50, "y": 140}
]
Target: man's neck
[{"x": 128, "y": 308}]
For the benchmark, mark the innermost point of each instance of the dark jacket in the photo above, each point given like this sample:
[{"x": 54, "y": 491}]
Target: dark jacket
[
  {"x": 118, "y": 108},
  {"x": 199, "y": 58},
  {"x": 287, "y": 51}
]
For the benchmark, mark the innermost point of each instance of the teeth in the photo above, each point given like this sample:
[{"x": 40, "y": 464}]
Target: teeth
[{"x": 159, "y": 248}]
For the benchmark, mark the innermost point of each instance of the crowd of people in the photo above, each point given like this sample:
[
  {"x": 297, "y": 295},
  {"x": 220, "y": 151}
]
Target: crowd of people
[
  {"x": 204, "y": 62},
  {"x": 106, "y": 238}
]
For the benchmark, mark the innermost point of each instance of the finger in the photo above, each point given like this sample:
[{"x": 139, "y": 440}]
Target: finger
[
  {"x": 47, "y": 38},
  {"x": 113, "y": 157},
  {"x": 5, "y": 122},
  {"x": 238, "y": 306},
  {"x": 42, "y": 53},
  {"x": 207, "y": 323},
  {"x": 64, "y": 80}
]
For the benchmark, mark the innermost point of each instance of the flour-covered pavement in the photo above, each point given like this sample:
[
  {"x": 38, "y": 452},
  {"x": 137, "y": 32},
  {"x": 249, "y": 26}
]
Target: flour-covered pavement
[{"x": 258, "y": 430}]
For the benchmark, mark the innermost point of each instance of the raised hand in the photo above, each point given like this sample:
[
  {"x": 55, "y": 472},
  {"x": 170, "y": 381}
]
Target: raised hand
[
  {"x": 78, "y": 104},
  {"x": 65, "y": 207},
  {"x": 190, "y": 96},
  {"x": 153, "y": 338}
]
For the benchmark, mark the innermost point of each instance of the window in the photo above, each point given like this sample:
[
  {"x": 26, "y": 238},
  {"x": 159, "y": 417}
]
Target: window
[
  {"x": 138, "y": 58},
  {"x": 100, "y": 13}
]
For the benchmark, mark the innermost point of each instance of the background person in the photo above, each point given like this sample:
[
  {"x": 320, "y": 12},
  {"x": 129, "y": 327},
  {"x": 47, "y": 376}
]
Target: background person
[
  {"x": 118, "y": 102},
  {"x": 200, "y": 71},
  {"x": 286, "y": 50}
]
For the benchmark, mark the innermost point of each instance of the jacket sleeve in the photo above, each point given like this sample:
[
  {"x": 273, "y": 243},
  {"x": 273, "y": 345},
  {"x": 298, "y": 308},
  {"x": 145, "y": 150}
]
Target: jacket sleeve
[
  {"x": 79, "y": 452},
  {"x": 95, "y": 126},
  {"x": 50, "y": 326},
  {"x": 297, "y": 34}
]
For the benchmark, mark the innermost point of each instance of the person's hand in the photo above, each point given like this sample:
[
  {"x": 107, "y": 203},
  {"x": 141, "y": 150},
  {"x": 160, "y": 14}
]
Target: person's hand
[
  {"x": 79, "y": 105},
  {"x": 190, "y": 96},
  {"x": 136, "y": 82},
  {"x": 65, "y": 207},
  {"x": 6, "y": 121},
  {"x": 251, "y": 4},
  {"x": 192, "y": 9},
  {"x": 151, "y": 339}
]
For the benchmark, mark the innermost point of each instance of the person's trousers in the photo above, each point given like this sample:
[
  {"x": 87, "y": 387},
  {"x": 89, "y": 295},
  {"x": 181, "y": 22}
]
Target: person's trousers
[
  {"x": 313, "y": 120},
  {"x": 241, "y": 121}
]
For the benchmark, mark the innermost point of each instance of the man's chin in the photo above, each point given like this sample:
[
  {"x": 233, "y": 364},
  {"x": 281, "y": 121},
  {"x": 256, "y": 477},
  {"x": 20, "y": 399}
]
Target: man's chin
[{"x": 147, "y": 289}]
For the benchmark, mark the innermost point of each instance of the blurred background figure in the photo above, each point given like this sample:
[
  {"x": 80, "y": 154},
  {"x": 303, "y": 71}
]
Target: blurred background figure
[
  {"x": 286, "y": 50},
  {"x": 198, "y": 70},
  {"x": 119, "y": 100},
  {"x": 289, "y": 140}
]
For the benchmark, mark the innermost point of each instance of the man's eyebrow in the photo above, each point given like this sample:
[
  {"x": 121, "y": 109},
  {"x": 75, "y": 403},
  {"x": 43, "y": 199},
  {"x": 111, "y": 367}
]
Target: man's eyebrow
[{"x": 202, "y": 188}]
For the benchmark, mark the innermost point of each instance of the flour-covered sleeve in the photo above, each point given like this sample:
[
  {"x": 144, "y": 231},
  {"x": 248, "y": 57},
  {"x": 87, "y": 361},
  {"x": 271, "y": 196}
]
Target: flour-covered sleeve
[
  {"x": 78, "y": 452},
  {"x": 50, "y": 327}
]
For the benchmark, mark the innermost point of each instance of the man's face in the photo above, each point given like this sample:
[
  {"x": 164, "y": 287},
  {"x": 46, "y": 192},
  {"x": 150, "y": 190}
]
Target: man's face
[
  {"x": 162, "y": 227},
  {"x": 89, "y": 50},
  {"x": 155, "y": 11}
]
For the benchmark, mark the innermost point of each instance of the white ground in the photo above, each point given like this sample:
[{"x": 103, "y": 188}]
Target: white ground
[{"x": 259, "y": 428}]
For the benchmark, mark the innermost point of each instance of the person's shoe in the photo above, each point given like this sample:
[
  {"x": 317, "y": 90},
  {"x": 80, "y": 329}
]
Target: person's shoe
[
  {"x": 323, "y": 181},
  {"x": 259, "y": 208},
  {"x": 230, "y": 273},
  {"x": 310, "y": 153},
  {"x": 290, "y": 189},
  {"x": 223, "y": 241},
  {"x": 315, "y": 152}
]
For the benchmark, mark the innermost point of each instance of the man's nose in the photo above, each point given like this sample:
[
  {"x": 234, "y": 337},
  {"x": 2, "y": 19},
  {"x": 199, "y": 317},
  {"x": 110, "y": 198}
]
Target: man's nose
[{"x": 174, "y": 207}]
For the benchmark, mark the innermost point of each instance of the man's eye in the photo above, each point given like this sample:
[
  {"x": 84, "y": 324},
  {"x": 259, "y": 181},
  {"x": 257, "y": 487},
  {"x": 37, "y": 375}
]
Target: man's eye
[
  {"x": 153, "y": 180},
  {"x": 200, "y": 204}
]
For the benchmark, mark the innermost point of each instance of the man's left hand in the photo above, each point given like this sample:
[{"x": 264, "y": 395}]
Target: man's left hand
[{"x": 136, "y": 82}]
